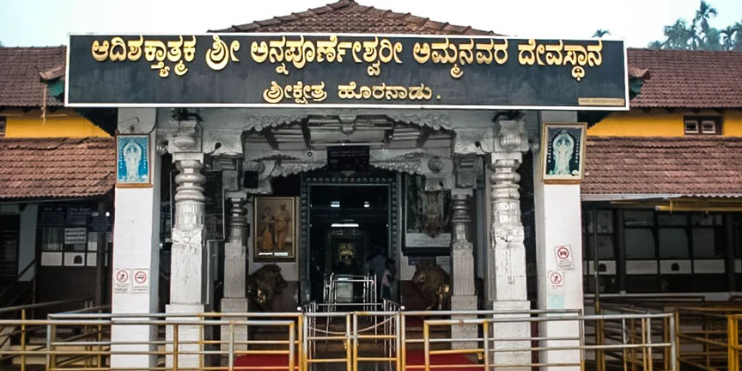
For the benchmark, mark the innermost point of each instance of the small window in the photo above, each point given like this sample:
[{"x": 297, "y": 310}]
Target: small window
[
  {"x": 708, "y": 127},
  {"x": 2, "y": 126},
  {"x": 702, "y": 125},
  {"x": 691, "y": 127}
]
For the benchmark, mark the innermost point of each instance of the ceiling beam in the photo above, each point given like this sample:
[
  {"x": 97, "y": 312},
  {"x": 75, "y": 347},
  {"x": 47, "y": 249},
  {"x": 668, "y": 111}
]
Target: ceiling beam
[{"x": 270, "y": 138}]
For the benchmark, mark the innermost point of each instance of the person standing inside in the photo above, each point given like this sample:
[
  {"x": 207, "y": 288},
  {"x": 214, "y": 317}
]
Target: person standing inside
[{"x": 376, "y": 266}]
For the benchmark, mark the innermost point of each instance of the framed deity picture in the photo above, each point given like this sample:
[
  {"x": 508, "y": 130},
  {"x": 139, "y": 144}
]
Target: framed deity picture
[
  {"x": 274, "y": 229},
  {"x": 563, "y": 153},
  {"x": 427, "y": 219},
  {"x": 133, "y": 161}
]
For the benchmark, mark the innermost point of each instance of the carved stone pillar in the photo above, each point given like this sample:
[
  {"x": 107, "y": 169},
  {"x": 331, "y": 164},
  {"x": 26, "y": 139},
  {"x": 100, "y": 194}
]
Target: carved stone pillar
[
  {"x": 235, "y": 269},
  {"x": 186, "y": 287},
  {"x": 462, "y": 254},
  {"x": 506, "y": 268},
  {"x": 462, "y": 261},
  {"x": 235, "y": 253}
]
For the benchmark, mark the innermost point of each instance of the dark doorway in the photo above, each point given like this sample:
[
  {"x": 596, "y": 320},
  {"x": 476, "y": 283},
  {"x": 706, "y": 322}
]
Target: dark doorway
[{"x": 346, "y": 222}]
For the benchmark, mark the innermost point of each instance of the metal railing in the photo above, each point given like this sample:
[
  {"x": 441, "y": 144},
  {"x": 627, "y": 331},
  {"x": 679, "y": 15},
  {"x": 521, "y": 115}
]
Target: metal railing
[
  {"x": 708, "y": 337},
  {"x": 372, "y": 338},
  {"x": 23, "y": 332}
]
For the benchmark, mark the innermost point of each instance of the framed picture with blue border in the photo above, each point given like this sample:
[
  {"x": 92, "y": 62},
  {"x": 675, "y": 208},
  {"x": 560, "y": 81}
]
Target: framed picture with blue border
[
  {"x": 133, "y": 167},
  {"x": 563, "y": 152}
]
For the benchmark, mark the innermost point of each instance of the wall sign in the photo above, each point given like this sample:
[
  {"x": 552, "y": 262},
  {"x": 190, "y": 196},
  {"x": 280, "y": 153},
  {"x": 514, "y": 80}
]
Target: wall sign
[
  {"x": 564, "y": 257},
  {"x": 335, "y": 70},
  {"x": 122, "y": 281},
  {"x": 75, "y": 236}
]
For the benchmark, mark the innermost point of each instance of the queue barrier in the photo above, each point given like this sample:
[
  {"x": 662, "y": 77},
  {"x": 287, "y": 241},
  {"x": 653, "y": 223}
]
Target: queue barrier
[{"x": 208, "y": 341}]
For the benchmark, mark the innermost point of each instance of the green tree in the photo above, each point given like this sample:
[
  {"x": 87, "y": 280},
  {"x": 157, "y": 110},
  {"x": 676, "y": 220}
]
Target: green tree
[
  {"x": 601, "y": 32},
  {"x": 655, "y": 45},
  {"x": 727, "y": 38},
  {"x": 737, "y": 27},
  {"x": 679, "y": 35},
  {"x": 703, "y": 14},
  {"x": 699, "y": 34}
]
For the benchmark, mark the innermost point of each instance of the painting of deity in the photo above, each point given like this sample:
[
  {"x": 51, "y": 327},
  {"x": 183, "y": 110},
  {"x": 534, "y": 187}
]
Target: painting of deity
[
  {"x": 274, "y": 229},
  {"x": 563, "y": 154},
  {"x": 133, "y": 167}
]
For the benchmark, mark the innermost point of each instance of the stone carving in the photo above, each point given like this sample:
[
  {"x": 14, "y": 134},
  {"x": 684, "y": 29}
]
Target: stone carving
[
  {"x": 435, "y": 164},
  {"x": 512, "y": 136},
  {"x": 434, "y": 284},
  {"x": 286, "y": 168},
  {"x": 189, "y": 199},
  {"x": 223, "y": 142},
  {"x": 435, "y": 121},
  {"x": 265, "y": 284},
  {"x": 409, "y": 167},
  {"x": 260, "y": 122}
]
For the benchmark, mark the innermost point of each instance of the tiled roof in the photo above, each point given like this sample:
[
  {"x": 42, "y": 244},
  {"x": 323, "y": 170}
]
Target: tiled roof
[
  {"x": 347, "y": 16},
  {"x": 688, "y": 79},
  {"x": 56, "y": 167},
  {"x": 20, "y": 79},
  {"x": 699, "y": 166}
]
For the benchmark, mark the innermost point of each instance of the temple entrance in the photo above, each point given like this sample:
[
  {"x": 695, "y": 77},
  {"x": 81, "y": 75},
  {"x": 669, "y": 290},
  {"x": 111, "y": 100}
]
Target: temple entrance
[{"x": 347, "y": 224}]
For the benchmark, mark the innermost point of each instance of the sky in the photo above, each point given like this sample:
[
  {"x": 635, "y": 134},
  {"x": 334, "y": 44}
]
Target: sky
[{"x": 48, "y": 22}]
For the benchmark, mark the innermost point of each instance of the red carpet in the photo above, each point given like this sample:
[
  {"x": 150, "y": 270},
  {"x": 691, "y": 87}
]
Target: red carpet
[
  {"x": 264, "y": 360},
  {"x": 417, "y": 357},
  {"x": 414, "y": 357}
]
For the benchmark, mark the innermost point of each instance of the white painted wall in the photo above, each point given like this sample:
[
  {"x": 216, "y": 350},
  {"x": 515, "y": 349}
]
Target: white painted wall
[
  {"x": 558, "y": 223},
  {"x": 136, "y": 245}
]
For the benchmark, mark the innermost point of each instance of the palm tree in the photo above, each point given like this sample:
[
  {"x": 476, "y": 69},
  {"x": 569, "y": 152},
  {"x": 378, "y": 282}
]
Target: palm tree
[
  {"x": 601, "y": 32},
  {"x": 703, "y": 14},
  {"x": 679, "y": 36},
  {"x": 728, "y": 37},
  {"x": 738, "y": 35}
]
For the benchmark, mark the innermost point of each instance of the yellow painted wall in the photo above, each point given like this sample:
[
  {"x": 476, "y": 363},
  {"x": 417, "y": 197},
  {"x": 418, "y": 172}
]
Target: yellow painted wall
[
  {"x": 60, "y": 123},
  {"x": 660, "y": 123}
]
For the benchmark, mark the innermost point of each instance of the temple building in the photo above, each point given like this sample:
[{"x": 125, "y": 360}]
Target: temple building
[{"x": 359, "y": 160}]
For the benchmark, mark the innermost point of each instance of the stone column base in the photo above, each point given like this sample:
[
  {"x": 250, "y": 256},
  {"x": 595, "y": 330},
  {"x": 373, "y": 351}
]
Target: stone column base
[
  {"x": 464, "y": 303},
  {"x": 188, "y": 336},
  {"x": 234, "y": 305},
  {"x": 507, "y": 331}
]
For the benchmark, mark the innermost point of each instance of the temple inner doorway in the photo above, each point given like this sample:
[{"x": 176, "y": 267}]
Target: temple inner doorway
[{"x": 348, "y": 224}]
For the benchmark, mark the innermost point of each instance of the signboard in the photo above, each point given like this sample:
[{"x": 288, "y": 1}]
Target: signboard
[
  {"x": 336, "y": 70},
  {"x": 556, "y": 278},
  {"x": 75, "y": 236},
  {"x": 564, "y": 257},
  {"x": 140, "y": 283},
  {"x": 348, "y": 158},
  {"x": 122, "y": 281}
]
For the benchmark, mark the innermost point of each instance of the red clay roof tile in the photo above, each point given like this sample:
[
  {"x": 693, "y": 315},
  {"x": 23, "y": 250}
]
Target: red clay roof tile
[
  {"x": 20, "y": 82},
  {"x": 347, "y": 16},
  {"x": 56, "y": 167},
  {"x": 699, "y": 166},
  {"x": 688, "y": 79}
]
